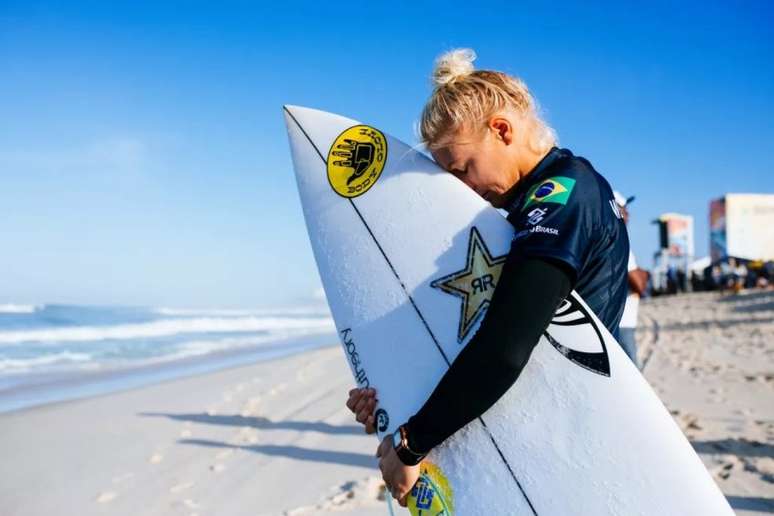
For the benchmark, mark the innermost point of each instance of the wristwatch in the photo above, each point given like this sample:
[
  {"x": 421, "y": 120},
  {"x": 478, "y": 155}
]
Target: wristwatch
[{"x": 406, "y": 455}]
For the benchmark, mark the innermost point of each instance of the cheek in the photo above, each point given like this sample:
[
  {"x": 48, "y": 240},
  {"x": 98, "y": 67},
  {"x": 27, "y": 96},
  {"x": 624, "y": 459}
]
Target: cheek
[{"x": 487, "y": 171}]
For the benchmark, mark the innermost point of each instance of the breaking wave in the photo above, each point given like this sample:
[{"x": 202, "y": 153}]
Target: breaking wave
[{"x": 165, "y": 328}]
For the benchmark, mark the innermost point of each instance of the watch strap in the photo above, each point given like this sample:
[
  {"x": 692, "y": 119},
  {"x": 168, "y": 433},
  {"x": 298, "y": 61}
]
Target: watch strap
[{"x": 406, "y": 455}]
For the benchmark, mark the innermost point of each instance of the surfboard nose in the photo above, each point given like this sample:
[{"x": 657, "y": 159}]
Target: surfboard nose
[
  {"x": 289, "y": 111},
  {"x": 305, "y": 114},
  {"x": 319, "y": 128}
]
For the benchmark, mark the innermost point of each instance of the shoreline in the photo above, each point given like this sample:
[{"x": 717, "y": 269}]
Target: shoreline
[{"x": 49, "y": 388}]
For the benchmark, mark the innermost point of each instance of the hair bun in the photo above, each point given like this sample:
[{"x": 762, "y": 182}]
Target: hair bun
[{"x": 453, "y": 65}]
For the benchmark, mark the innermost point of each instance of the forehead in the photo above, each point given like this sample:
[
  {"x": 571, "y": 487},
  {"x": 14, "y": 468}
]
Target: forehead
[{"x": 450, "y": 153}]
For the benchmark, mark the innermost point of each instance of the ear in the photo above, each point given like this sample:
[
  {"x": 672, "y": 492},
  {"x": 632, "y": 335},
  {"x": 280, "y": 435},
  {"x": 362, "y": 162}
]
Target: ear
[{"x": 502, "y": 128}]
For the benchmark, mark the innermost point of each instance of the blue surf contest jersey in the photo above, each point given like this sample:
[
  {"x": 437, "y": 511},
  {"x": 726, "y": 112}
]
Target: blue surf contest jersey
[{"x": 565, "y": 211}]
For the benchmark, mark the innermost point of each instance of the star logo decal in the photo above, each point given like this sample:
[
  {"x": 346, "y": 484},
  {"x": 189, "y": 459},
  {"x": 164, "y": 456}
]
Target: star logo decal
[{"x": 474, "y": 284}]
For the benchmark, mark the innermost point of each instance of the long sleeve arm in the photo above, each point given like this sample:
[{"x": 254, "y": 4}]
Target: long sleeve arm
[{"x": 522, "y": 306}]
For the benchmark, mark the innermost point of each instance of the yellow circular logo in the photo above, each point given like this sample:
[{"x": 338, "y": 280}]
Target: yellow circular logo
[{"x": 356, "y": 160}]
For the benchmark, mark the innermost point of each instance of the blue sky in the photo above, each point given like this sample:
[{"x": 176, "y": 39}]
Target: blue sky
[{"x": 144, "y": 159}]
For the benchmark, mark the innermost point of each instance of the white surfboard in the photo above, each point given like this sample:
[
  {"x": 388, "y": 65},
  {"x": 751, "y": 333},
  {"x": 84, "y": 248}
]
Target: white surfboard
[{"x": 409, "y": 257}]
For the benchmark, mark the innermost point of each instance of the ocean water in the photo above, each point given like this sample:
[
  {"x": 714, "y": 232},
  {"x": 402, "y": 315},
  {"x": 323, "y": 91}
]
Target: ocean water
[{"x": 57, "y": 352}]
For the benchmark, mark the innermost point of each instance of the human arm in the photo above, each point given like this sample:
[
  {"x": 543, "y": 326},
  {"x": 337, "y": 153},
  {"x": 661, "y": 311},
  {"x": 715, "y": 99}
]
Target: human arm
[
  {"x": 638, "y": 281},
  {"x": 522, "y": 306}
]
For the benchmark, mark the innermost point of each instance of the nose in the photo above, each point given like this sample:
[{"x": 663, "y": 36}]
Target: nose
[{"x": 465, "y": 178}]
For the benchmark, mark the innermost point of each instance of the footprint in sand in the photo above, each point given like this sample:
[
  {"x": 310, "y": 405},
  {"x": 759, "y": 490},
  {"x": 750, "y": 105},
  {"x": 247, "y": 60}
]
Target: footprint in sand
[
  {"x": 726, "y": 466},
  {"x": 222, "y": 455},
  {"x": 107, "y": 496},
  {"x": 217, "y": 468},
  {"x": 278, "y": 389},
  {"x": 368, "y": 492},
  {"x": 156, "y": 458},
  {"x": 122, "y": 478},
  {"x": 181, "y": 487}
]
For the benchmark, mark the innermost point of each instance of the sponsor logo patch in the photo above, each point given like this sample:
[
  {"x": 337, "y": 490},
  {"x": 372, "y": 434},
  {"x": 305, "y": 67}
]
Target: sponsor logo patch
[
  {"x": 474, "y": 284},
  {"x": 555, "y": 190},
  {"x": 382, "y": 420},
  {"x": 432, "y": 494},
  {"x": 543, "y": 229},
  {"x": 536, "y": 215},
  {"x": 356, "y": 160}
]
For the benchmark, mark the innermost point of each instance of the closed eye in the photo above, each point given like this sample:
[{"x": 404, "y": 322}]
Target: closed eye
[{"x": 457, "y": 171}]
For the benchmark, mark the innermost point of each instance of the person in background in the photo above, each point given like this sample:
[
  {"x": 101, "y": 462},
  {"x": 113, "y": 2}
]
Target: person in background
[
  {"x": 741, "y": 277},
  {"x": 638, "y": 284}
]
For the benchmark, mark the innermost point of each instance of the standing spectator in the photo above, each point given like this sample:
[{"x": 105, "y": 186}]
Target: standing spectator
[
  {"x": 638, "y": 283},
  {"x": 740, "y": 273}
]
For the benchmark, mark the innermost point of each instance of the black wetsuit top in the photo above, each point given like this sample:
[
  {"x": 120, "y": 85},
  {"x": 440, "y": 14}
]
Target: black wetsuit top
[
  {"x": 569, "y": 234},
  {"x": 565, "y": 210}
]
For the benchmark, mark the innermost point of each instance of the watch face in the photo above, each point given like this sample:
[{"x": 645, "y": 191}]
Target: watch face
[{"x": 396, "y": 439}]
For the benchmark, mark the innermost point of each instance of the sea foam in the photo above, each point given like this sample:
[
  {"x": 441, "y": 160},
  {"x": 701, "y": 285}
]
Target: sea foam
[{"x": 165, "y": 328}]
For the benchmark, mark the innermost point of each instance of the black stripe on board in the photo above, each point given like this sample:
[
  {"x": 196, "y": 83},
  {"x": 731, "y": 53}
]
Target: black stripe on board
[
  {"x": 402, "y": 285},
  {"x": 419, "y": 313}
]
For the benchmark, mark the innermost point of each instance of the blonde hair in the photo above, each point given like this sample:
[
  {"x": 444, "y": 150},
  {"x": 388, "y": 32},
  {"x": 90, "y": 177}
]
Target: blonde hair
[{"x": 465, "y": 98}]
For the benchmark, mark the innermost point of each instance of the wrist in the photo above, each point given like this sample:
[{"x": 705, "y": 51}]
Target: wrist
[{"x": 401, "y": 441}]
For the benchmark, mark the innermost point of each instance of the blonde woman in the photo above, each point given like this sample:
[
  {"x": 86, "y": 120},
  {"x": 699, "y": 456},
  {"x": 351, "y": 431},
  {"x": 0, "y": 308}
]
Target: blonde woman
[{"x": 483, "y": 127}]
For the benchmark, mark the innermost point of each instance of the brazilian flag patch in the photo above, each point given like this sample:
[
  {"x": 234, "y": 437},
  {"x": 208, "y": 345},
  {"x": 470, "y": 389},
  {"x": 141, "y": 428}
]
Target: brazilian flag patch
[{"x": 554, "y": 189}]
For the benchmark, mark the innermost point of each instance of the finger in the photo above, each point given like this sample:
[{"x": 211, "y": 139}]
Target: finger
[
  {"x": 366, "y": 412},
  {"x": 361, "y": 403},
  {"x": 370, "y": 425},
  {"x": 404, "y": 500},
  {"x": 354, "y": 398}
]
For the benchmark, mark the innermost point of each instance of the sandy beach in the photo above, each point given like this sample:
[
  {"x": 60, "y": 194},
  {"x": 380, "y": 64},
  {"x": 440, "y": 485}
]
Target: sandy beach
[
  {"x": 274, "y": 438},
  {"x": 710, "y": 358}
]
